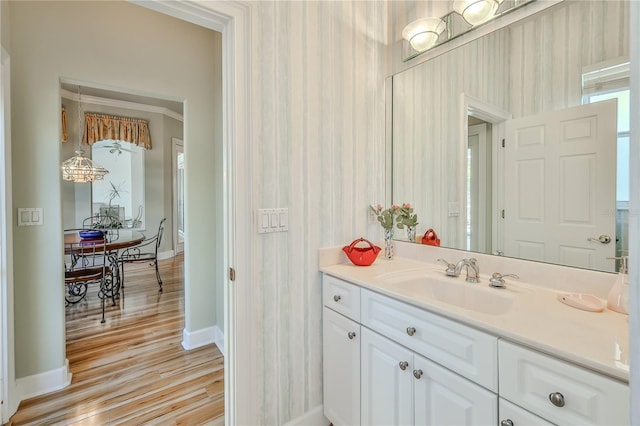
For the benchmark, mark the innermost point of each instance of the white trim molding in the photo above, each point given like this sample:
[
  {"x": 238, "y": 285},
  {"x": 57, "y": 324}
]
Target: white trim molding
[
  {"x": 39, "y": 384},
  {"x": 206, "y": 336},
  {"x": 198, "y": 338},
  {"x": 164, "y": 255},
  {"x": 218, "y": 339},
  {"x": 313, "y": 417}
]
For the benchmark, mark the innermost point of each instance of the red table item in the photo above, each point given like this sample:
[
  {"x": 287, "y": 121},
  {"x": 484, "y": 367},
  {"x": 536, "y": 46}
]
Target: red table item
[
  {"x": 361, "y": 256},
  {"x": 431, "y": 238}
]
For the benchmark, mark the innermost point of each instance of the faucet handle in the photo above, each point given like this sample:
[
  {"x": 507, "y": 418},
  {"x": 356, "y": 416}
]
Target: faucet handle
[
  {"x": 497, "y": 279},
  {"x": 451, "y": 268}
]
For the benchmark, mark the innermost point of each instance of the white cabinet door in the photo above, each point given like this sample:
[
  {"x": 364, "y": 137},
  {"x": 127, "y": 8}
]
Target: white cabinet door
[
  {"x": 444, "y": 398},
  {"x": 341, "y": 373},
  {"x": 387, "y": 381}
]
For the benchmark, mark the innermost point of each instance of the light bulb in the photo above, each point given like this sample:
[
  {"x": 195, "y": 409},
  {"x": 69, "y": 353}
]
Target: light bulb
[
  {"x": 476, "y": 12},
  {"x": 423, "y": 33}
]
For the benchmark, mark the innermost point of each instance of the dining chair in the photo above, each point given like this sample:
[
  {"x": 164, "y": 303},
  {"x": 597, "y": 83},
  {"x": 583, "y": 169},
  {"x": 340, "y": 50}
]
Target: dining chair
[
  {"x": 89, "y": 263},
  {"x": 146, "y": 251}
]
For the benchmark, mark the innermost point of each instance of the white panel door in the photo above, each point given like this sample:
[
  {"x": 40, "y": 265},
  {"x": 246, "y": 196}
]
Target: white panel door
[
  {"x": 341, "y": 374},
  {"x": 387, "y": 381},
  {"x": 444, "y": 398},
  {"x": 560, "y": 179}
]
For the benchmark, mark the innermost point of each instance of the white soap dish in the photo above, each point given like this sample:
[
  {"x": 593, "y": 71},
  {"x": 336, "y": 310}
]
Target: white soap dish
[{"x": 586, "y": 302}]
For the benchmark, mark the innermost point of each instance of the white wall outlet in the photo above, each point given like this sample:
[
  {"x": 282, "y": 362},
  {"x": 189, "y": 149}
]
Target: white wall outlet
[{"x": 30, "y": 216}]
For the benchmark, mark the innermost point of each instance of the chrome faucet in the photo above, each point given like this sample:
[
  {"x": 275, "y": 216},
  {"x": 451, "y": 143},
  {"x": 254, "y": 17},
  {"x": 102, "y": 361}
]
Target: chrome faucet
[{"x": 473, "y": 272}]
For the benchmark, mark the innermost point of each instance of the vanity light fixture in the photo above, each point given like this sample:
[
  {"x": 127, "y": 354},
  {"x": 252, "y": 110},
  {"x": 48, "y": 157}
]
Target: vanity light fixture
[
  {"x": 423, "y": 33},
  {"x": 81, "y": 169},
  {"x": 475, "y": 12}
]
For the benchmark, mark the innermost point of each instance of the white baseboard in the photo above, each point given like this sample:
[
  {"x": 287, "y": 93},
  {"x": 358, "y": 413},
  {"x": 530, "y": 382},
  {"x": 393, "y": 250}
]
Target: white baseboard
[
  {"x": 39, "y": 384},
  {"x": 205, "y": 336},
  {"x": 218, "y": 339},
  {"x": 163, "y": 255},
  {"x": 313, "y": 417},
  {"x": 198, "y": 338}
]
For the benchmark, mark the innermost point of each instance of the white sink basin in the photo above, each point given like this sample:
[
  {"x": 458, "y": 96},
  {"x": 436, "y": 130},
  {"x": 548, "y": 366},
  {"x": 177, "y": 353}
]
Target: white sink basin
[{"x": 477, "y": 297}]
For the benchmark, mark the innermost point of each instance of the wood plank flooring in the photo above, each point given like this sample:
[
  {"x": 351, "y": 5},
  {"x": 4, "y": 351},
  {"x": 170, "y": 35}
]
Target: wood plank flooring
[{"x": 132, "y": 370}]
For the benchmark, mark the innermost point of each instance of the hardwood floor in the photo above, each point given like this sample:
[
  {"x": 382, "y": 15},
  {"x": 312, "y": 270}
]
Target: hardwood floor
[{"x": 132, "y": 370}]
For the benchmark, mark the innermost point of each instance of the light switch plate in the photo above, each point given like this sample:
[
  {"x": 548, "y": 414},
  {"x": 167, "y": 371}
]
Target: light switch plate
[
  {"x": 30, "y": 216},
  {"x": 272, "y": 220},
  {"x": 454, "y": 209}
]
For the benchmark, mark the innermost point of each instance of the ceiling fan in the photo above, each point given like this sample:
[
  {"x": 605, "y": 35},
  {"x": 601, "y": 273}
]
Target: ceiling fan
[{"x": 115, "y": 148}]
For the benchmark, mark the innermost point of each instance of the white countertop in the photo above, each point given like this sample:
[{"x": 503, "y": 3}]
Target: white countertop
[{"x": 596, "y": 340}]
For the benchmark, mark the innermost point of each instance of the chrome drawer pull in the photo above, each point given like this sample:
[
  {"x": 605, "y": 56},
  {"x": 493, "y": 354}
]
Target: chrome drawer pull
[
  {"x": 507, "y": 422},
  {"x": 411, "y": 331},
  {"x": 417, "y": 373},
  {"x": 336, "y": 298},
  {"x": 351, "y": 335},
  {"x": 403, "y": 365},
  {"x": 557, "y": 399}
]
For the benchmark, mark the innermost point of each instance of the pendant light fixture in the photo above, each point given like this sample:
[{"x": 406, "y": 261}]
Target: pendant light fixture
[{"x": 81, "y": 169}]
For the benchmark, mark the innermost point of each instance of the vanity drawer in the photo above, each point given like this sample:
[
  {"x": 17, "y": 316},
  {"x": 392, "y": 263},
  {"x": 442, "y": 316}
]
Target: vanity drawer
[
  {"x": 466, "y": 351},
  {"x": 341, "y": 296},
  {"x": 531, "y": 379},
  {"x": 512, "y": 415}
]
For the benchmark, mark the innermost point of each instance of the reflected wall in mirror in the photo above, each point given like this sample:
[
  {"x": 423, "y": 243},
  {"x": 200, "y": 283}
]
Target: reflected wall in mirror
[{"x": 525, "y": 83}]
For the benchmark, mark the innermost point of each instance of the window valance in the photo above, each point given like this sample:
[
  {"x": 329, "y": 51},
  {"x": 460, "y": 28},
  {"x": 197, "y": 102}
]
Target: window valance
[{"x": 99, "y": 127}]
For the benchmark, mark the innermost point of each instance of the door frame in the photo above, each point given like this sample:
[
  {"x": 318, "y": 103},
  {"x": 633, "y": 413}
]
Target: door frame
[
  {"x": 7, "y": 359},
  {"x": 233, "y": 20},
  {"x": 496, "y": 116},
  {"x": 177, "y": 146},
  {"x": 480, "y": 130}
]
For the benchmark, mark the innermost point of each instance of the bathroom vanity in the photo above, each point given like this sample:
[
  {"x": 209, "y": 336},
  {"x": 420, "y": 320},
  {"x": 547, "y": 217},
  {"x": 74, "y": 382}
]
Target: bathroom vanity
[{"x": 405, "y": 344}]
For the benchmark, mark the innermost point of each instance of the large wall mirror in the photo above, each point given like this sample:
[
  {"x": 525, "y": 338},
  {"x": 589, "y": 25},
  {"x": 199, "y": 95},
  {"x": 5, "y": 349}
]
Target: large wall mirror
[{"x": 516, "y": 143}]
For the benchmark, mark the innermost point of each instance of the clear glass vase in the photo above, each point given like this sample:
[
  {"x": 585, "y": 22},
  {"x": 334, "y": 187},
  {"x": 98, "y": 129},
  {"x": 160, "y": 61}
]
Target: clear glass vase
[
  {"x": 411, "y": 234},
  {"x": 388, "y": 243}
]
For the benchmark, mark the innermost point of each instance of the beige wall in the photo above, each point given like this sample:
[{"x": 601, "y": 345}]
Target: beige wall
[
  {"x": 318, "y": 141},
  {"x": 124, "y": 46}
]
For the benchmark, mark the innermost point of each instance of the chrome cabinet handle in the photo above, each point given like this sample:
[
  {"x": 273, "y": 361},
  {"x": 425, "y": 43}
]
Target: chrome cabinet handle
[
  {"x": 403, "y": 365},
  {"x": 337, "y": 298},
  {"x": 411, "y": 331},
  {"x": 602, "y": 239},
  {"x": 351, "y": 335},
  {"x": 507, "y": 422},
  {"x": 417, "y": 373},
  {"x": 557, "y": 399}
]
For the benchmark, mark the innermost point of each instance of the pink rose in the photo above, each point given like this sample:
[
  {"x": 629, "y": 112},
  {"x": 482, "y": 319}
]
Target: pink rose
[
  {"x": 406, "y": 205},
  {"x": 394, "y": 207},
  {"x": 379, "y": 206}
]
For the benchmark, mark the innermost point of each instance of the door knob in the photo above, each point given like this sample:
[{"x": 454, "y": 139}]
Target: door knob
[
  {"x": 411, "y": 331},
  {"x": 507, "y": 422},
  {"x": 403, "y": 365},
  {"x": 351, "y": 335},
  {"x": 336, "y": 298},
  {"x": 602, "y": 239},
  {"x": 417, "y": 373}
]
